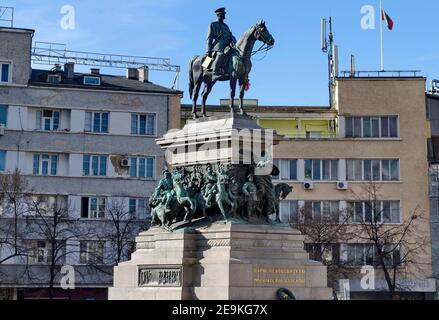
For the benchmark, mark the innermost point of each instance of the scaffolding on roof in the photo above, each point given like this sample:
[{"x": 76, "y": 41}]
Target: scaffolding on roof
[
  {"x": 7, "y": 16},
  {"x": 48, "y": 53}
]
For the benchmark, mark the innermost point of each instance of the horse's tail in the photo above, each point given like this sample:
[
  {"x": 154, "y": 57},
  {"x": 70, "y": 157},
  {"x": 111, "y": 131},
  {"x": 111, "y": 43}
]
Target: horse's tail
[{"x": 191, "y": 77}]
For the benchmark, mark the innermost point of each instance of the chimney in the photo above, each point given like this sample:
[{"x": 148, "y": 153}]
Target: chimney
[
  {"x": 69, "y": 70},
  {"x": 95, "y": 71},
  {"x": 143, "y": 74},
  {"x": 132, "y": 74}
]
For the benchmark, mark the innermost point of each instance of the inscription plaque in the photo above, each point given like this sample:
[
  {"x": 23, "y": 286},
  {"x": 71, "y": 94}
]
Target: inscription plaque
[
  {"x": 278, "y": 276},
  {"x": 160, "y": 277}
]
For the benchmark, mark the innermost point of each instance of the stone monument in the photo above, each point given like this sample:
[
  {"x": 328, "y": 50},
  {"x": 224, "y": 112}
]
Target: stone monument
[{"x": 216, "y": 230}]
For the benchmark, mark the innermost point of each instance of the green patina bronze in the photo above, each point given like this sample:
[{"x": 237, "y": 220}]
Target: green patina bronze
[{"x": 221, "y": 192}]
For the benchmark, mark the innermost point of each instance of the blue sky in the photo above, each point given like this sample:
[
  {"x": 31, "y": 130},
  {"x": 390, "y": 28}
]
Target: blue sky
[{"x": 293, "y": 73}]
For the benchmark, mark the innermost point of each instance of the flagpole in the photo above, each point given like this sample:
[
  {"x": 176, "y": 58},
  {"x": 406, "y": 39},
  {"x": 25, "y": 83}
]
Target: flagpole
[{"x": 381, "y": 36}]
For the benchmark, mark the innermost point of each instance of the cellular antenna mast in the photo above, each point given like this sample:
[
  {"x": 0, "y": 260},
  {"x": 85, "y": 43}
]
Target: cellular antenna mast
[{"x": 328, "y": 47}]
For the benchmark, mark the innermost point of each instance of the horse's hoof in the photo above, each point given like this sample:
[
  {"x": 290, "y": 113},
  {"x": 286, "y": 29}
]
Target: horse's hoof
[
  {"x": 204, "y": 115},
  {"x": 195, "y": 116},
  {"x": 242, "y": 112}
]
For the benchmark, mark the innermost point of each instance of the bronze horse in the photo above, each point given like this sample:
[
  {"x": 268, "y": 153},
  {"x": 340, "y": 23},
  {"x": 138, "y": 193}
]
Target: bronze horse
[{"x": 238, "y": 68}]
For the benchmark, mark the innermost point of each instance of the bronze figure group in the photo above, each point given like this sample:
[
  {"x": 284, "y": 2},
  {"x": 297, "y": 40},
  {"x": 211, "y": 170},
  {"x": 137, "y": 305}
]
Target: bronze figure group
[{"x": 228, "y": 192}]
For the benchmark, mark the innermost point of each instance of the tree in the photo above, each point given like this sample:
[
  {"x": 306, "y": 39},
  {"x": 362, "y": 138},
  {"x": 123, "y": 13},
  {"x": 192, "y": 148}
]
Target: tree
[
  {"x": 124, "y": 226},
  {"x": 13, "y": 203},
  {"x": 395, "y": 246},
  {"x": 323, "y": 235},
  {"x": 51, "y": 225}
]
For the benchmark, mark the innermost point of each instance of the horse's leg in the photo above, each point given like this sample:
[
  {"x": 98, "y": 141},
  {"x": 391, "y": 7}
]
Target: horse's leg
[
  {"x": 232, "y": 94},
  {"x": 195, "y": 99},
  {"x": 241, "y": 95},
  {"x": 207, "y": 90}
]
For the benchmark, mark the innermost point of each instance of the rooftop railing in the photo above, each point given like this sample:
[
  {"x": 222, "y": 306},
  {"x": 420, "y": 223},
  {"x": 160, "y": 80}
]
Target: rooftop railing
[{"x": 381, "y": 74}]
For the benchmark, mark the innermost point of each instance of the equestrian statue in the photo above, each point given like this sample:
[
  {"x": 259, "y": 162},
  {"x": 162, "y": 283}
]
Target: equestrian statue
[{"x": 226, "y": 60}]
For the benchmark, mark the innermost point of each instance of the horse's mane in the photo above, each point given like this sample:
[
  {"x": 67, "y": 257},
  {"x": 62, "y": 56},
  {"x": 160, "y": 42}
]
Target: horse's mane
[{"x": 246, "y": 35}]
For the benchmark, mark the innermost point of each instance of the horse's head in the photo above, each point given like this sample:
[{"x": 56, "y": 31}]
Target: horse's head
[{"x": 262, "y": 34}]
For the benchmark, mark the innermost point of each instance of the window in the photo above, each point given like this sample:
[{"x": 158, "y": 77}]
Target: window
[
  {"x": 141, "y": 167},
  {"x": 2, "y": 203},
  {"x": 40, "y": 251},
  {"x": 383, "y": 211},
  {"x": 313, "y": 135},
  {"x": 92, "y": 81},
  {"x": 45, "y": 164},
  {"x": 53, "y": 78},
  {"x": 361, "y": 254},
  {"x": 96, "y": 122},
  {"x": 143, "y": 124},
  {"x": 139, "y": 208},
  {"x": 372, "y": 170},
  {"x": 94, "y": 165},
  {"x": 5, "y": 70},
  {"x": 49, "y": 205},
  {"x": 321, "y": 170},
  {"x": 371, "y": 127},
  {"x": 2, "y": 160},
  {"x": 322, "y": 210},
  {"x": 289, "y": 211},
  {"x": 327, "y": 253},
  {"x": 47, "y": 120},
  {"x": 287, "y": 168},
  {"x": 91, "y": 252},
  {"x": 93, "y": 207},
  {"x": 3, "y": 115}
]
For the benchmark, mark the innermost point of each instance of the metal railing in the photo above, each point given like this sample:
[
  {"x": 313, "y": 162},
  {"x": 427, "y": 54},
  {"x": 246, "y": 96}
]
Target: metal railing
[
  {"x": 382, "y": 74},
  {"x": 51, "y": 53},
  {"x": 6, "y": 16}
]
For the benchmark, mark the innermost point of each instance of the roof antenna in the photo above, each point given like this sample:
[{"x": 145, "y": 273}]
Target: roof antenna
[{"x": 328, "y": 46}]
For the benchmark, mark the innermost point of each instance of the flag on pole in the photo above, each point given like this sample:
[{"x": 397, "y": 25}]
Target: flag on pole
[{"x": 386, "y": 17}]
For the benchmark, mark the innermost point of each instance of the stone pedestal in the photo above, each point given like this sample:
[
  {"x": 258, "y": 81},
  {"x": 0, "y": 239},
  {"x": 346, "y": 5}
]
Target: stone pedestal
[{"x": 222, "y": 261}]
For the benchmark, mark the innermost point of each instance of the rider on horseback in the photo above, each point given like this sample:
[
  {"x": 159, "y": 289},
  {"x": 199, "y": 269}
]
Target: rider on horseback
[{"x": 219, "y": 41}]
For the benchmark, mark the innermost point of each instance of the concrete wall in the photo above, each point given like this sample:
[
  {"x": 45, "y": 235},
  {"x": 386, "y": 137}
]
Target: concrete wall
[{"x": 16, "y": 48}]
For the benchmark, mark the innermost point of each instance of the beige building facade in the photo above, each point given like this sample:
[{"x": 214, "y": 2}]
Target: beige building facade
[{"x": 376, "y": 133}]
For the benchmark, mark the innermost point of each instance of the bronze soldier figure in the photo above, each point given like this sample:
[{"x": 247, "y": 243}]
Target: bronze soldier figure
[
  {"x": 164, "y": 193},
  {"x": 219, "y": 41}
]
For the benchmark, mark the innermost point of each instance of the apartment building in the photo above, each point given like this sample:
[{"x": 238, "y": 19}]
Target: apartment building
[
  {"x": 87, "y": 139},
  {"x": 376, "y": 133}
]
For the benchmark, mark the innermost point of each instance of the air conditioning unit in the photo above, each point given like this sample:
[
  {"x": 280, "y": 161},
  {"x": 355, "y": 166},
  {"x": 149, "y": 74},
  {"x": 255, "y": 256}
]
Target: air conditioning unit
[
  {"x": 2, "y": 129},
  {"x": 308, "y": 185},
  {"x": 125, "y": 162},
  {"x": 342, "y": 185}
]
